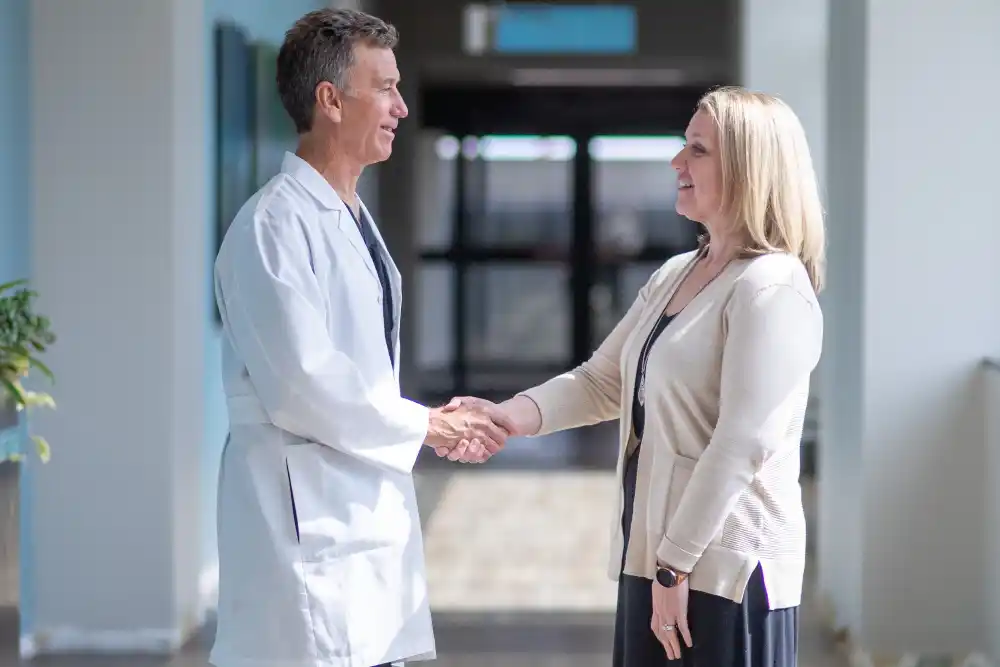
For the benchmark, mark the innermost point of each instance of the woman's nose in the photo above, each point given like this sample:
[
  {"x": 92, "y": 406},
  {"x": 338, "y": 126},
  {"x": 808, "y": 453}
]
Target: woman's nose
[{"x": 678, "y": 160}]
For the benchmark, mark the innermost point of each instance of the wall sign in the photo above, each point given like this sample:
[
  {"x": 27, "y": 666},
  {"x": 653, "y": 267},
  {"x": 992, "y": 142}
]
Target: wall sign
[{"x": 535, "y": 28}]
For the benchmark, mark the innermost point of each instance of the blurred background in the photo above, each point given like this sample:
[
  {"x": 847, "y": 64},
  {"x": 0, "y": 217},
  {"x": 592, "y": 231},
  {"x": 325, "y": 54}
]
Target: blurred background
[{"x": 529, "y": 196}]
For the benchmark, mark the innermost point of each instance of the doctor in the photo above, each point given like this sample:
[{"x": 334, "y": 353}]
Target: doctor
[{"x": 321, "y": 557}]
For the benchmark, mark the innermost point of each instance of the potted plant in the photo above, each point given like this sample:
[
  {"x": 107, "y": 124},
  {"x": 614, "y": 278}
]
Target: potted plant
[{"x": 23, "y": 336}]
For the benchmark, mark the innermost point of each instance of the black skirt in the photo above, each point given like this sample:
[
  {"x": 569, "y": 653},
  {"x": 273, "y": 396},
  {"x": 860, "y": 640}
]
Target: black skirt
[{"x": 724, "y": 633}]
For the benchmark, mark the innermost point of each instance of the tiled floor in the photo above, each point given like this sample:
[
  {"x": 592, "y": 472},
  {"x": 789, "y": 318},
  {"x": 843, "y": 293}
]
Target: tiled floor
[
  {"x": 544, "y": 499},
  {"x": 510, "y": 598}
]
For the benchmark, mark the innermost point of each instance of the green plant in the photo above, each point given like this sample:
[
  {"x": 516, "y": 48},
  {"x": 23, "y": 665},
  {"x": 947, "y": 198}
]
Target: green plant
[{"x": 23, "y": 335}]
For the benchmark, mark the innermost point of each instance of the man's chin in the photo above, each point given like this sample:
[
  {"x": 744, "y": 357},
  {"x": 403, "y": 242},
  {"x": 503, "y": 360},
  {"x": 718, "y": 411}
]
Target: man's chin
[{"x": 381, "y": 157}]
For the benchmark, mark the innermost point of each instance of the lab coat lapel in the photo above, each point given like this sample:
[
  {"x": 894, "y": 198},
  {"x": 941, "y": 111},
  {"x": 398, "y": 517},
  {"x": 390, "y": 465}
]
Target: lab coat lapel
[
  {"x": 324, "y": 193},
  {"x": 349, "y": 228},
  {"x": 395, "y": 279}
]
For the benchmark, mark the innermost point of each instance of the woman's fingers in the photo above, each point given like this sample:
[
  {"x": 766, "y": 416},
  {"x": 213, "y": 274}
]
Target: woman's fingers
[
  {"x": 667, "y": 634},
  {"x": 684, "y": 630},
  {"x": 670, "y": 643}
]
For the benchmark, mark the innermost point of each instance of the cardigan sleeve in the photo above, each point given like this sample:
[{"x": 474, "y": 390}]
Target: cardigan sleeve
[
  {"x": 591, "y": 392},
  {"x": 773, "y": 343}
]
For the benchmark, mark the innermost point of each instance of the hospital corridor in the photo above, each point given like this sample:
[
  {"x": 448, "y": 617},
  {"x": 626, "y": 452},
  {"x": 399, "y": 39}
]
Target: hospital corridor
[{"x": 531, "y": 187}]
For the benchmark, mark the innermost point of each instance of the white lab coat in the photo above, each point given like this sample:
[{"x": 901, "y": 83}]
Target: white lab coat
[{"x": 321, "y": 556}]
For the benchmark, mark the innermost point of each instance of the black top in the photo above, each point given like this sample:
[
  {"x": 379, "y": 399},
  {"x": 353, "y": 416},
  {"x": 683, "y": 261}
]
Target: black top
[
  {"x": 365, "y": 225},
  {"x": 639, "y": 400}
]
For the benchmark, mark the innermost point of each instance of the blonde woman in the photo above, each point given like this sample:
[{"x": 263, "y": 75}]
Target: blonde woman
[{"x": 709, "y": 374}]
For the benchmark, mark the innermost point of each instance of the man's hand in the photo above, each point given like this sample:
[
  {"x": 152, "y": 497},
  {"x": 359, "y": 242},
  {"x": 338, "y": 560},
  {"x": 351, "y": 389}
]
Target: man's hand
[
  {"x": 471, "y": 451},
  {"x": 466, "y": 433}
]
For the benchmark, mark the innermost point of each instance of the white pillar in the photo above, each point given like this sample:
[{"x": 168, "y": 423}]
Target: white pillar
[
  {"x": 912, "y": 307},
  {"x": 119, "y": 188},
  {"x": 784, "y": 53}
]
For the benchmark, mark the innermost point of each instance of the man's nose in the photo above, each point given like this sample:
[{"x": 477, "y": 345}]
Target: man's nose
[{"x": 399, "y": 109}]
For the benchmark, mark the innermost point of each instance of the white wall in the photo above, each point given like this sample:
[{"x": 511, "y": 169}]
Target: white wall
[
  {"x": 914, "y": 305},
  {"x": 267, "y": 21},
  {"x": 911, "y": 303},
  {"x": 991, "y": 406},
  {"x": 784, "y": 53},
  {"x": 14, "y": 125},
  {"x": 118, "y": 191}
]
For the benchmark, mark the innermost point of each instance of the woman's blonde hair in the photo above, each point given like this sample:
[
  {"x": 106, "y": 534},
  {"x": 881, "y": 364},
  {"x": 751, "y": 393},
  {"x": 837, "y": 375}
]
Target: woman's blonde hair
[{"x": 768, "y": 181}]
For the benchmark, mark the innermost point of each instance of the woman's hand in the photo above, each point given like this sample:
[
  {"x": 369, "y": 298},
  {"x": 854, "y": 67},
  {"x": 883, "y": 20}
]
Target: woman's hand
[
  {"x": 518, "y": 416},
  {"x": 474, "y": 451},
  {"x": 524, "y": 415},
  {"x": 669, "y": 622}
]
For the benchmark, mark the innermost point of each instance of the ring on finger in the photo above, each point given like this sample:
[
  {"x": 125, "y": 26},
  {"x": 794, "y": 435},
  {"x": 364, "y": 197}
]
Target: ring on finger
[{"x": 668, "y": 628}]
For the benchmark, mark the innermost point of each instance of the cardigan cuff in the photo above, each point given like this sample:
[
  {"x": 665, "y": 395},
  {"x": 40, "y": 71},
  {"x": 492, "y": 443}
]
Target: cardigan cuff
[
  {"x": 541, "y": 415},
  {"x": 549, "y": 398},
  {"x": 670, "y": 554}
]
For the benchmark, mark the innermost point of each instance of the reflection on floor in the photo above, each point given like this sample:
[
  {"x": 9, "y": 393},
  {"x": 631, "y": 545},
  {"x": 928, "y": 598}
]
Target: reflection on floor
[
  {"x": 517, "y": 554},
  {"x": 516, "y": 558},
  {"x": 522, "y": 541}
]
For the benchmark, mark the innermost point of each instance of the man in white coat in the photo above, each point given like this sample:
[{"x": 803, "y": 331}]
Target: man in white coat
[{"x": 321, "y": 556}]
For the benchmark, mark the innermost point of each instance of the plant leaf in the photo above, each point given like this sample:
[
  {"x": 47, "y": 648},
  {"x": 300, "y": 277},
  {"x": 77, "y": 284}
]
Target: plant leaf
[
  {"x": 44, "y": 451},
  {"x": 43, "y": 368},
  {"x": 14, "y": 391},
  {"x": 22, "y": 355},
  {"x": 15, "y": 351},
  {"x": 14, "y": 283},
  {"x": 37, "y": 399}
]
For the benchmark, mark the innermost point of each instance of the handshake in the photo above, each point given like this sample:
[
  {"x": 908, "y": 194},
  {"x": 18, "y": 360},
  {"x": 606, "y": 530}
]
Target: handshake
[{"x": 471, "y": 430}]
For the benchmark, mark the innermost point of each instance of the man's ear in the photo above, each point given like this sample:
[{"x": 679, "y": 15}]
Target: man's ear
[{"x": 329, "y": 101}]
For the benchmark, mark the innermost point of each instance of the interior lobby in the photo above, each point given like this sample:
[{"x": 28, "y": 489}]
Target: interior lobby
[{"x": 528, "y": 197}]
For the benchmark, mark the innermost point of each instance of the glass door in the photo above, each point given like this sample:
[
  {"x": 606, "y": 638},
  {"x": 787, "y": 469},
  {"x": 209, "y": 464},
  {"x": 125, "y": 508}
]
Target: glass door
[
  {"x": 501, "y": 251},
  {"x": 533, "y": 249},
  {"x": 636, "y": 226}
]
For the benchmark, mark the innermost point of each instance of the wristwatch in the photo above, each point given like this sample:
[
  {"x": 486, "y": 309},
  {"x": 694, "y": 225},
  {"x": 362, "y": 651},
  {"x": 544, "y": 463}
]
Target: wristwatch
[{"x": 669, "y": 577}]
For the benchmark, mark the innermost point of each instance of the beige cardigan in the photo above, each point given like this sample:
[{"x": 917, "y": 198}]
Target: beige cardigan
[{"x": 717, "y": 490}]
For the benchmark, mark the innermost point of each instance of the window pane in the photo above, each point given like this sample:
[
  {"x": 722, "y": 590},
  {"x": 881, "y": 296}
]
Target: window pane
[
  {"x": 435, "y": 181},
  {"x": 635, "y": 191},
  {"x": 518, "y": 314},
  {"x": 615, "y": 288},
  {"x": 435, "y": 295},
  {"x": 518, "y": 191}
]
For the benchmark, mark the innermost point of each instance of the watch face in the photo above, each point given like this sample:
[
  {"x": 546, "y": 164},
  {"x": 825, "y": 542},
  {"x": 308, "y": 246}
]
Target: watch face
[{"x": 666, "y": 578}]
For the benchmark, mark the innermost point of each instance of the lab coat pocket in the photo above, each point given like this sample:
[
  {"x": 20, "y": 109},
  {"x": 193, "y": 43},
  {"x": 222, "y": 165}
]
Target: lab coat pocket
[
  {"x": 320, "y": 523},
  {"x": 295, "y": 513}
]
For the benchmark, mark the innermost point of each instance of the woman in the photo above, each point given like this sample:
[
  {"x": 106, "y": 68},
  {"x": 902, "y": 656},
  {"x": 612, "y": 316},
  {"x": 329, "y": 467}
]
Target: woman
[{"x": 709, "y": 374}]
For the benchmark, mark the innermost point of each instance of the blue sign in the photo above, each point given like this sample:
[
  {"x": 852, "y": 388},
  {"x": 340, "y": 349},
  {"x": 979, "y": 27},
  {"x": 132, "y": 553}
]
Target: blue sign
[{"x": 538, "y": 28}]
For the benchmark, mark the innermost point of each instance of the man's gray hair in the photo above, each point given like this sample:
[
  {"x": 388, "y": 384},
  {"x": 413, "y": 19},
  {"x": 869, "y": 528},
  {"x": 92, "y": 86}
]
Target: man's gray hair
[{"x": 320, "y": 47}]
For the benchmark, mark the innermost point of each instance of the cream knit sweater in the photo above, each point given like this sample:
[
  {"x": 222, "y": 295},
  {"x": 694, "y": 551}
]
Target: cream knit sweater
[{"x": 727, "y": 384}]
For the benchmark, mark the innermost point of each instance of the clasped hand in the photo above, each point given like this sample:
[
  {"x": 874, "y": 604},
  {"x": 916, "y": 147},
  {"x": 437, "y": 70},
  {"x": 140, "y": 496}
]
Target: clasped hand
[{"x": 470, "y": 430}]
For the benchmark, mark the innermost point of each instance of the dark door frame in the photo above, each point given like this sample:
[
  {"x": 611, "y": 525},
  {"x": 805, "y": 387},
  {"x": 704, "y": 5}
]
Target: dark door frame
[{"x": 581, "y": 113}]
